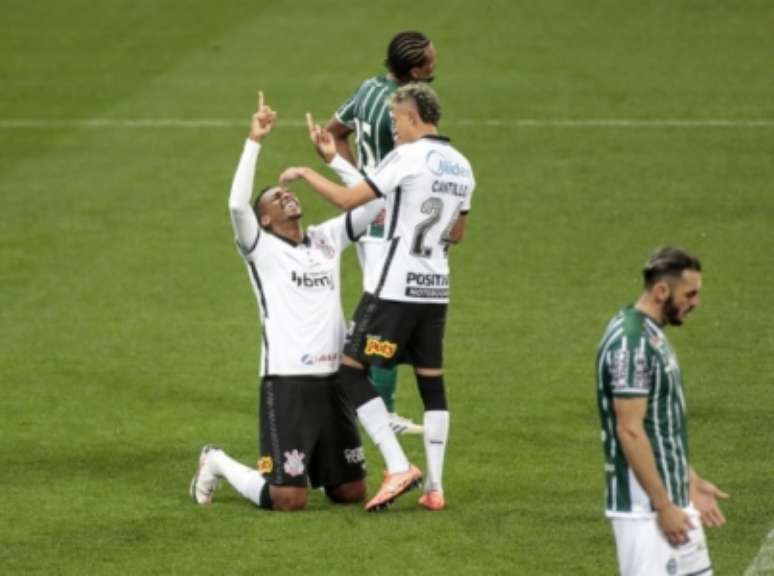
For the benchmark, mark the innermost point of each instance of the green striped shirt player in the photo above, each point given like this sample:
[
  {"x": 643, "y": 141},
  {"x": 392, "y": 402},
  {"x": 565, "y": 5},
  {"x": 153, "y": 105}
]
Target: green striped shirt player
[
  {"x": 411, "y": 57},
  {"x": 654, "y": 499},
  {"x": 367, "y": 113},
  {"x": 635, "y": 359}
]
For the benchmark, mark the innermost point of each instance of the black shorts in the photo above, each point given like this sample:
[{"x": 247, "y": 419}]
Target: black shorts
[
  {"x": 385, "y": 333},
  {"x": 308, "y": 433}
]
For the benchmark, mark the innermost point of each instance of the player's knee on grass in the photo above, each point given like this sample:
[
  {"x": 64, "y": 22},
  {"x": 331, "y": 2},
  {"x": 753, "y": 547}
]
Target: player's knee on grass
[
  {"x": 432, "y": 391},
  {"x": 288, "y": 498},
  {"x": 347, "y": 493}
]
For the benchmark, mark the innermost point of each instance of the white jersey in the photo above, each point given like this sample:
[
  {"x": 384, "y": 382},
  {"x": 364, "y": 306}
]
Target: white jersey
[
  {"x": 371, "y": 245},
  {"x": 427, "y": 184},
  {"x": 297, "y": 286}
]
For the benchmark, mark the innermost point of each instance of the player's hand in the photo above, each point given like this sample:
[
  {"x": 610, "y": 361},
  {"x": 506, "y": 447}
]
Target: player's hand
[
  {"x": 262, "y": 121},
  {"x": 291, "y": 174},
  {"x": 675, "y": 523},
  {"x": 704, "y": 496},
  {"x": 322, "y": 139}
]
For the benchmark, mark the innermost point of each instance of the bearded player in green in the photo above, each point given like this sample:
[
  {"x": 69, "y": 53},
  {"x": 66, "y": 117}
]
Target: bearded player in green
[
  {"x": 411, "y": 57},
  {"x": 655, "y": 500}
]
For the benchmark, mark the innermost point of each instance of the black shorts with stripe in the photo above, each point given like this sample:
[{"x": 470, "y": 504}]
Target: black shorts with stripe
[
  {"x": 385, "y": 333},
  {"x": 309, "y": 434}
]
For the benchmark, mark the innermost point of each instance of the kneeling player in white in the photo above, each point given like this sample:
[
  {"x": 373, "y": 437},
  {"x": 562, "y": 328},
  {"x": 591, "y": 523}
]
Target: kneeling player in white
[{"x": 308, "y": 431}]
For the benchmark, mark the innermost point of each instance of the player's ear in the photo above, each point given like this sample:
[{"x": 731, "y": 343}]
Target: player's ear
[{"x": 662, "y": 290}]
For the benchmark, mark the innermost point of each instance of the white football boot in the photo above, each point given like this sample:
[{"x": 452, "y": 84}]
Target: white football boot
[
  {"x": 401, "y": 425},
  {"x": 205, "y": 481}
]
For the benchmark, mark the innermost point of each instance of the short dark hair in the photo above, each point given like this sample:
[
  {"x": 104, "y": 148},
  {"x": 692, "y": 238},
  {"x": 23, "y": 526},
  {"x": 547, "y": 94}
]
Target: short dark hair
[
  {"x": 426, "y": 99},
  {"x": 257, "y": 202},
  {"x": 406, "y": 51},
  {"x": 668, "y": 262}
]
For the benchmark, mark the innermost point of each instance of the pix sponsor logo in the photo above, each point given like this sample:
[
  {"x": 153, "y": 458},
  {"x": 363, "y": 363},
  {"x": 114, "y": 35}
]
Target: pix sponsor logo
[
  {"x": 265, "y": 465},
  {"x": 326, "y": 357},
  {"x": 375, "y": 346},
  {"x": 439, "y": 165},
  {"x": 313, "y": 280}
]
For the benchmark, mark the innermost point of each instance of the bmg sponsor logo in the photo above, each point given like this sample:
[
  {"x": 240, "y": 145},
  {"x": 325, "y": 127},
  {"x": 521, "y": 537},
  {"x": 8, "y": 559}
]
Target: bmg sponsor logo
[{"x": 313, "y": 280}]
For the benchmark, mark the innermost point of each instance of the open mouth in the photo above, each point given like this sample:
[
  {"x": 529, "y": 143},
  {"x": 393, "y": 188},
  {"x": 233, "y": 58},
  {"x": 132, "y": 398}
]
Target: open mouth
[{"x": 290, "y": 203}]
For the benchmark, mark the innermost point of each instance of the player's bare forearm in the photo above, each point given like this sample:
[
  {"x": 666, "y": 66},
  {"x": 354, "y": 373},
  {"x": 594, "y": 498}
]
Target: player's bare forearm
[
  {"x": 458, "y": 230},
  {"x": 344, "y": 150},
  {"x": 639, "y": 455},
  {"x": 630, "y": 430},
  {"x": 339, "y": 196},
  {"x": 340, "y": 133}
]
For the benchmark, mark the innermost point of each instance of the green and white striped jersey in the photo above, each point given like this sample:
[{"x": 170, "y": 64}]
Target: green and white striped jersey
[
  {"x": 635, "y": 359},
  {"x": 367, "y": 112}
]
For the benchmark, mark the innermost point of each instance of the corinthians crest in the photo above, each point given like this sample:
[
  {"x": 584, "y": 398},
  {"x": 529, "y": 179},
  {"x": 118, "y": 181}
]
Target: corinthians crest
[{"x": 294, "y": 463}]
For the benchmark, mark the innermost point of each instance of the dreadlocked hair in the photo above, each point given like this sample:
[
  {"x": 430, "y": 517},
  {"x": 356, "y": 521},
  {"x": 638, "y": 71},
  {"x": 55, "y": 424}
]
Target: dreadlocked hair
[{"x": 406, "y": 51}]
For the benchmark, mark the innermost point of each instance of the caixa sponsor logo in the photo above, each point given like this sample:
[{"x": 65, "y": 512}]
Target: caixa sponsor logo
[
  {"x": 440, "y": 165},
  {"x": 312, "y": 359},
  {"x": 313, "y": 280}
]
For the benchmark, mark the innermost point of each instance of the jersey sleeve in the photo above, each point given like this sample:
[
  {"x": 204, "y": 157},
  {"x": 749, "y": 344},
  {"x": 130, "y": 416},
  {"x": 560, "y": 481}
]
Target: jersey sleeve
[
  {"x": 342, "y": 230},
  {"x": 628, "y": 365},
  {"x": 347, "y": 112},
  {"x": 469, "y": 196},
  {"x": 390, "y": 172},
  {"x": 345, "y": 171},
  {"x": 243, "y": 218}
]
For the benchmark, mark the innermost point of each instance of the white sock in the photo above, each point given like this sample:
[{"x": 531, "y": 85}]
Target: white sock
[
  {"x": 247, "y": 481},
  {"x": 436, "y": 436},
  {"x": 374, "y": 418}
]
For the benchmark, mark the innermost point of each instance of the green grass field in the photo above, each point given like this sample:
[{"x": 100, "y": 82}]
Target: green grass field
[{"x": 129, "y": 333}]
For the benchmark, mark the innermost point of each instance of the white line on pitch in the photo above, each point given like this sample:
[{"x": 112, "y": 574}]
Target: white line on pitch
[
  {"x": 764, "y": 561},
  {"x": 107, "y": 123}
]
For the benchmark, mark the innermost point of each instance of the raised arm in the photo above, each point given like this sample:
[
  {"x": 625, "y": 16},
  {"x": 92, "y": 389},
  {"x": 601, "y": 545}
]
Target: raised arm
[
  {"x": 340, "y": 133},
  {"x": 243, "y": 218},
  {"x": 325, "y": 145},
  {"x": 339, "y": 196}
]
